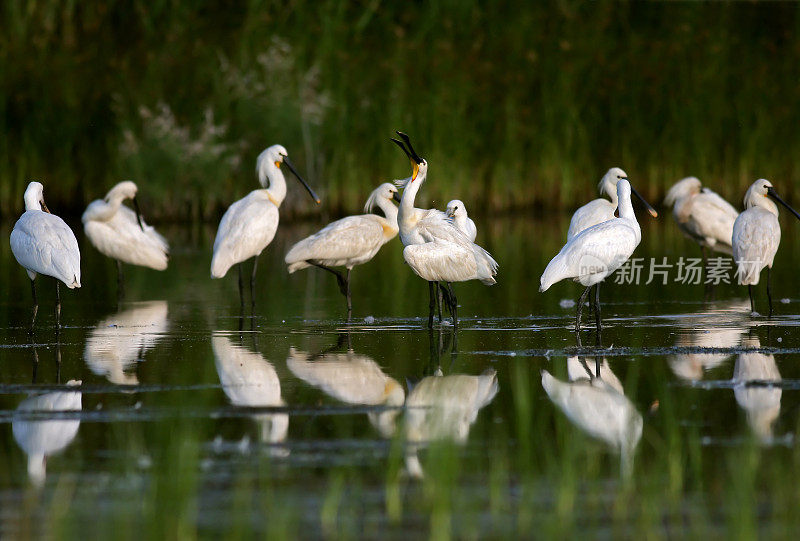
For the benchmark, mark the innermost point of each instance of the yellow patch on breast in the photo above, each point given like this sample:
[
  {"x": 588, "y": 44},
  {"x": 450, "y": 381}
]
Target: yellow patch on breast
[{"x": 388, "y": 230}]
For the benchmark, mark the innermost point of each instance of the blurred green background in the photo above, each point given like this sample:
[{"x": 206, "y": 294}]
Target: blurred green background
[{"x": 516, "y": 105}]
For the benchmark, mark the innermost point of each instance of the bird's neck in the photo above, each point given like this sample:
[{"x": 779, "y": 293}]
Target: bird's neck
[
  {"x": 406, "y": 212},
  {"x": 389, "y": 211},
  {"x": 625, "y": 209},
  {"x": 277, "y": 185}
]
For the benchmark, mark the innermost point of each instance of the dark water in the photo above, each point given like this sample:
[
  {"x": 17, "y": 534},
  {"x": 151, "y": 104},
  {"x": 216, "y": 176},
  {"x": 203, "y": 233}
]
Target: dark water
[{"x": 301, "y": 423}]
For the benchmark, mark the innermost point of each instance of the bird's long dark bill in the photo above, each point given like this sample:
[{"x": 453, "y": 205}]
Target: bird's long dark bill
[
  {"x": 396, "y": 196},
  {"x": 303, "y": 182},
  {"x": 650, "y": 209},
  {"x": 138, "y": 213},
  {"x": 774, "y": 195},
  {"x": 414, "y": 162},
  {"x": 44, "y": 208}
]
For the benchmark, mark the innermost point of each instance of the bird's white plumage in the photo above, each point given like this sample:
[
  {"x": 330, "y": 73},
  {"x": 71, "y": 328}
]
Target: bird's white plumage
[
  {"x": 353, "y": 379},
  {"x": 702, "y": 214},
  {"x": 599, "y": 210},
  {"x": 41, "y": 438},
  {"x": 598, "y": 251},
  {"x": 762, "y": 403},
  {"x": 44, "y": 244},
  {"x": 250, "y": 380},
  {"x": 458, "y": 212},
  {"x": 756, "y": 234},
  {"x": 114, "y": 230},
  {"x": 351, "y": 241},
  {"x": 441, "y": 252},
  {"x": 577, "y": 370},
  {"x": 249, "y": 225},
  {"x": 119, "y": 341},
  {"x": 600, "y": 410}
]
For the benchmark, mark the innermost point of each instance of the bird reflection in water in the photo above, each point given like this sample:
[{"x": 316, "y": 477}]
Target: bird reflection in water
[
  {"x": 119, "y": 342},
  {"x": 719, "y": 328},
  {"x": 352, "y": 378},
  {"x": 249, "y": 380},
  {"x": 594, "y": 401},
  {"x": 41, "y": 437},
  {"x": 754, "y": 376}
]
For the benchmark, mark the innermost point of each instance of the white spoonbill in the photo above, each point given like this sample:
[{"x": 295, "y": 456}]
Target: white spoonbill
[
  {"x": 44, "y": 244},
  {"x": 702, "y": 215},
  {"x": 351, "y": 241},
  {"x": 435, "y": 249},
  {"x": 598, "y": 210},
  {"x": 756, "y": 236},
  {"x": 249, "y": 225},
  {"x": 458, "y": 212},
  {"x": 598, "y": 251},
  {"x": 40, "y": 438},
  {"x": 121, "y": 234}
]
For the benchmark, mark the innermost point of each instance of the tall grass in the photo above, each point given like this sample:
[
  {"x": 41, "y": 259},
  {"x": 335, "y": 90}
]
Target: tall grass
[{"x": 514, "y": 105}]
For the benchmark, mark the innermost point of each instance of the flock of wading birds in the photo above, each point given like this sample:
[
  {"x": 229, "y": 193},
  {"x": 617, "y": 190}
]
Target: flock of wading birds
[{"x": 438, "y": 246}]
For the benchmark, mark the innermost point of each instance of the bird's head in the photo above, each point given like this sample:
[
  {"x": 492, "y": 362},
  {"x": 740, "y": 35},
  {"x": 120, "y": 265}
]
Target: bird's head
[
  {"x": 387, "y": 191},
  {"x": 761, "y": 193},
  {"x": 419, "y": 167},
  {"x": 456, "y": 209},
  {"x": 271, "y": 159},
  {"x": 608, "y": 183}
]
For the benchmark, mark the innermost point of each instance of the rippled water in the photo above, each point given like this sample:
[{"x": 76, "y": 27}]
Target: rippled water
[{"x": 172, "y": 414}]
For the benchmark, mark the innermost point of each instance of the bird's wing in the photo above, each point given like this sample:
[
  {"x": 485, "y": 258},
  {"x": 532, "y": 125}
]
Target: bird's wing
[
  {"x": 756, "y": 235},
  {"x": 153, "y": 237},
  {"x": 45, "y": 244},
  {"x": 441, "y": 260},
  {"x": 711, "y": 217},
  {"x": 592, "y": 213},
  {"x": 246, "y": 228},
  {"x": 435, "y": 224},
  {"x": 341, "y": 240}
]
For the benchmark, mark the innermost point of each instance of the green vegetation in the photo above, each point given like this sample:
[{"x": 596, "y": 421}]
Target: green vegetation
[{"x": 513, "y": 103}]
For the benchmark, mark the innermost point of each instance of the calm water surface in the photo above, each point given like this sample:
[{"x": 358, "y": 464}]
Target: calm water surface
[{"x": 172, "y": 414}]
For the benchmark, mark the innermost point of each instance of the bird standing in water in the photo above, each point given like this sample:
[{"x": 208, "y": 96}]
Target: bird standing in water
[
  {"x": 249, "y": 225},
  {"x": 44, "y": 244},
  {"x": 756, "y": 236}
]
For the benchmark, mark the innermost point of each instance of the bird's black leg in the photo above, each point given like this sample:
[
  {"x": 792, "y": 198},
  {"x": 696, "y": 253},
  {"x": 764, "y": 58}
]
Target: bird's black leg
[
  {"x": 597, "y": 321},
  {"x": 453, "y": 304},
  {"x": 432, "y": 286},
  {"x": 439, "y": 300},
  {"x": 769, "y": 291},
  {"x": 705, "y": 262},
  {"x": 120, "y": 282},
  {"x": 581, "y": 302},
  {"x": 349, "y": 298},
  {"x": 253, "y": 283},
  {"x": 241, "y": 290},
  {"x": 58, "y": 306},
  {"x": 35, "y": 306},
  {"x": 752, "y": 304}
]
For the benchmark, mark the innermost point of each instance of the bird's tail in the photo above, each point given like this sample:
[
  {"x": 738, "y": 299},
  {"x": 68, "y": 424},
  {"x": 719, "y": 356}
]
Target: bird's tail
[
  {"x": 748, "y": 272},
  {"x": 552, "y": 274},
  {"x": 487, "y": 266}
]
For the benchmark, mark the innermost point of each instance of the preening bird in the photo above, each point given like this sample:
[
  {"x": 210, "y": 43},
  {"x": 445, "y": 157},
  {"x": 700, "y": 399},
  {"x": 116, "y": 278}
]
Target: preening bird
[
  {"x": 598, "y": 251},
  {"x": 702, "y": 215},
  {"x": 44, "y": 244},
  {"x": 121, "y": 233},
  {"x": 435, "y": 249},
  {"x": 598, "y": 210},
  {"x": 458, "y": 212},
  {"x": 756, "y": 236},
  {"x": 249, "y": 225},
  {"x": 351, "y": 241}
]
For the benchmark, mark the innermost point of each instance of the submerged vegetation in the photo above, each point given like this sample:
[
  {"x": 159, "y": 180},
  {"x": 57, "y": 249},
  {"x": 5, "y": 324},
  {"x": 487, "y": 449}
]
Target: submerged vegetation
[{"x": 514, "y": 104}]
